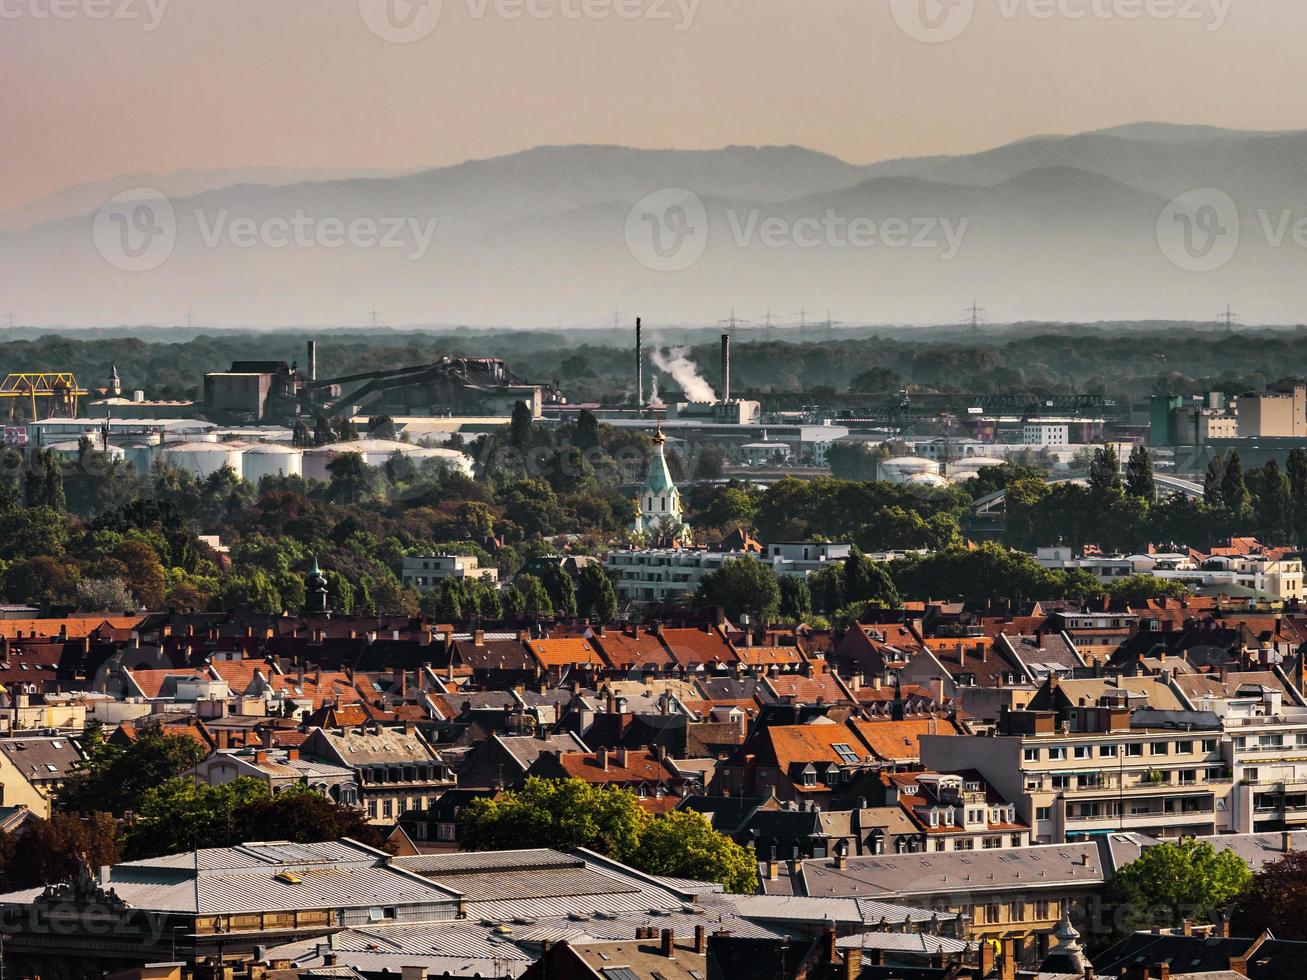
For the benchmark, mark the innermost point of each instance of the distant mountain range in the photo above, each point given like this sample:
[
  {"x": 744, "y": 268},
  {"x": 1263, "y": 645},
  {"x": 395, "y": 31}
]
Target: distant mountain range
[{"x": 1058, "y": 227}]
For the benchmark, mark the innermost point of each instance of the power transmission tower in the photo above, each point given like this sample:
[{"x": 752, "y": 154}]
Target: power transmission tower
[
  {"x": 1229, "y": 318},
  {"x": 190, "y": 319},
  {"x": 975, "y": 316},
  {"x": 731, "y": 323},
  {"x": 830, "y": 324},
  {"x": 372, "y": 316}
]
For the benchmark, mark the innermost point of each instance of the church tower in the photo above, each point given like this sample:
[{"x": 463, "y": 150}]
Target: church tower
[{"x": 659, "y": 505}]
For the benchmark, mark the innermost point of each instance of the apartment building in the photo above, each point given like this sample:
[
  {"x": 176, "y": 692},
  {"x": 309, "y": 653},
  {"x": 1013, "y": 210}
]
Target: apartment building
[
  {"x": 957, "y": 811},
  {"x": 1103, "y": 767},
  {"x": 669, "y": 574},
  {"x": 426, "y": 572}
]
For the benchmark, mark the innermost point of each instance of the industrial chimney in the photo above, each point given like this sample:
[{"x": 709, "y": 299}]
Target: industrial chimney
[
  {"x": 639, "y": 368},
  {"x": 313, "y": 360},
  {"x": 726, "y": 367}
]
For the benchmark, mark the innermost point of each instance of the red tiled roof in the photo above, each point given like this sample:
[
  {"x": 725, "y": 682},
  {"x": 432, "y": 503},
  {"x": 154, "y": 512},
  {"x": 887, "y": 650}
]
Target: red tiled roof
[
  {"x": 76, "y": 627},
  {"x": 697, "y": 647},
  {"x": 898, "y": 740},
  {"x": 629, "y": 650},
  {"x": 564, "y": 652},
  {"x": 640, "y": 767}
]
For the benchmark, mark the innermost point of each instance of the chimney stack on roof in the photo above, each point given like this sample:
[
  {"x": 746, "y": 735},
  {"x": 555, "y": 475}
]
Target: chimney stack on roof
[{"x": 669, "y": 944}]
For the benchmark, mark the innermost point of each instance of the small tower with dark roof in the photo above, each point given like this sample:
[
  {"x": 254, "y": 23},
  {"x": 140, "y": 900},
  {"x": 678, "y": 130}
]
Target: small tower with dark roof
[{"x": 315, "y": 591}]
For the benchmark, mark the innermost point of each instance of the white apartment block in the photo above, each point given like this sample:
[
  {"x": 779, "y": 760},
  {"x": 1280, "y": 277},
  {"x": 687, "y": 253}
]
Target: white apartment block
[
  {"x": 425, "y": 572},
  {"x": 1045, "y": 434},
  {"x": 669, "y": 574}
]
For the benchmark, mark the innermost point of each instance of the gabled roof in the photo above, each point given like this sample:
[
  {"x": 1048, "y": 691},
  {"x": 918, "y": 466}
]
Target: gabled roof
[
  {"x": 633, "y": 648},
  {"x": 706, "y": 648},
  {"x": 898, "y": 741},
  {"x": 564, "y": 652}
]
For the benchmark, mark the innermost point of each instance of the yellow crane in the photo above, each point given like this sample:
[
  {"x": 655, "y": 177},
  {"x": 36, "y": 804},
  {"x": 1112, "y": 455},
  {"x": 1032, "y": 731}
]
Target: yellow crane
[{"x": 60, "y": 388}]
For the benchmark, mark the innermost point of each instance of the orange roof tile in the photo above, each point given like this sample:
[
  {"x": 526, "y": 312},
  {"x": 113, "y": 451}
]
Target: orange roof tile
[
  {"x": 76, "y": 626},
  {"x": 564, "y": 652},
  {"x": 898, "y": 740}
]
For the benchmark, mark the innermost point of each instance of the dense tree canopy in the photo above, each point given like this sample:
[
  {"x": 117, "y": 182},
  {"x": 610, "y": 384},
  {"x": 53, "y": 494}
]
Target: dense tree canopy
[{"x": 567, "y": 814}]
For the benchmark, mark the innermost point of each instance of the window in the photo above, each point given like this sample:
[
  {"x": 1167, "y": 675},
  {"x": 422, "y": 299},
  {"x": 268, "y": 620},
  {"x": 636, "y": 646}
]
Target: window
[
  {"x": 1160, "y": 748},
  {"x": 1107, "y": 751},
  {"x": 1083, "y": 751},
  {"x": 1134, "y": 749},
  {"x": 1057, "y": 753},
  {"x": 1031, "y": 755},
  {"x": 1043, "y": 813},
  {"x": 1209, "y": 744},
  {"x": 387, "y": 808},
  {"x": 846, "y": 753},
  {"x": 1184, "y": 748}
]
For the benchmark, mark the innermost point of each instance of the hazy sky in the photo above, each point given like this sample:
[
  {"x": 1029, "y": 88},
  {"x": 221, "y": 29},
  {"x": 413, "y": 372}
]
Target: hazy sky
[{"x": 220, "y": 83}]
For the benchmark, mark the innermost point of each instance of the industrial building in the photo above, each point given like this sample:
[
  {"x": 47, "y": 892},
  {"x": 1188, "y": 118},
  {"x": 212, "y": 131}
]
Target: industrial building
[{"x": 256, "y": 391}]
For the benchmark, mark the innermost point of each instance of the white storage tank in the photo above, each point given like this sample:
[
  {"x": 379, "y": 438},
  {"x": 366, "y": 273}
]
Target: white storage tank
[
  {"x": 71, "y": 449},
  {"x": 969, "y": 466},
  {"x": 203, "y": 459},
  {"x": 270, "y": 459},
  {"x": 376, "y": 452},
  {"x": 899, "y": 469}
]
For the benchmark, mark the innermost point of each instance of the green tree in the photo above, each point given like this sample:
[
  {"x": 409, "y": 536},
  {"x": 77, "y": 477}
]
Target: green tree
[
  {"x": 1135, "y": 590},
  {"x": 796, "y": 598},
  {"x": 868, "y": 582},
  {"x": 1175, "y": 881},
  {"x": 1296, "y": 469},
  {"x": 43, "y": 485},
  {"x": 351, "y": 478},
  {"x": 1139, "y": 475},
  {"x": 595, "y": 597},
  {"x": 180, "y": 814},
  {"x": 563, "y": 814},
  {"x": 300, "y": 814},
  {"x": 116, "y": 779},
  {"x": 742, "y": 585},
  {"x": 1104, "y": 471},
  {"x": 1234, "y": 488},
  {"x": 827, "y": 588},
  {"x": 1273, "y": 505},
  {"x": 562, "y": 590},
  {"x": 683, "y": 844},
  {"x": 536, "y": 603},
  {"x": 1212, "y": 481}
]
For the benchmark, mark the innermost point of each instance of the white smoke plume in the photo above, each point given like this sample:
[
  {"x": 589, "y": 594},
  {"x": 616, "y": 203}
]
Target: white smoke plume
[{"x": 677, "y": 363}]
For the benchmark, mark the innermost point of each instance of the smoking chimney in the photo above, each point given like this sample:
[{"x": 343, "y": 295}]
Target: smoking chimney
[
  {"x": 726, "y": 367},
  {"x": 639, "y": 368},
  {"x": 313, "y": 360}
]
